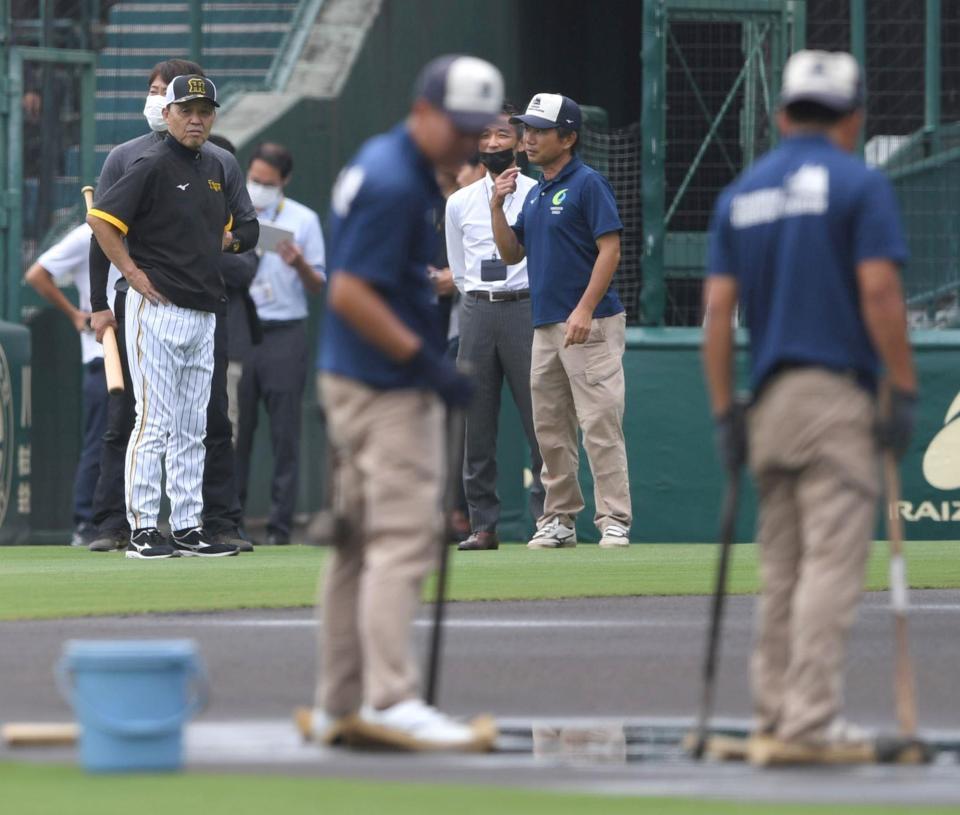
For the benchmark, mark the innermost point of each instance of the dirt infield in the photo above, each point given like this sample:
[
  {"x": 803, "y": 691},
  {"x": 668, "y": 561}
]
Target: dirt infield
[{"x": 602, "y": 662}]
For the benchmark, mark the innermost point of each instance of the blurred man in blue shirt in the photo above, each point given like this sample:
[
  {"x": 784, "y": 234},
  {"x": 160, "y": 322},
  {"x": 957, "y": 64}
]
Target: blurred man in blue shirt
[
  {"x": 384, "y": 380},
  {"x": 809, "y": 242}
]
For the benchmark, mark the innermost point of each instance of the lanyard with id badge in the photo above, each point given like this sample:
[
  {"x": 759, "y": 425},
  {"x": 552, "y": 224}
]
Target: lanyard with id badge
[
  {"x": 493, "y": 269},
  {"x": 261, "y": 290}
]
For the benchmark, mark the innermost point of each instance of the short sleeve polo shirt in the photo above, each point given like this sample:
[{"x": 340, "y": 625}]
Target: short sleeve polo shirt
[
  {"x": 558, "y": 227},
  {"x": 382, "y": 231},
  {"x": 172, "y": 209},
  {"x": 792, "y": 230}
]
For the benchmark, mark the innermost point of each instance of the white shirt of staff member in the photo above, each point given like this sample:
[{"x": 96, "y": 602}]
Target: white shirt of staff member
[
  {"x": 68, "y": 262},
  {"x": 298, "y": 267},
  {"x": 470, "y": 237}
]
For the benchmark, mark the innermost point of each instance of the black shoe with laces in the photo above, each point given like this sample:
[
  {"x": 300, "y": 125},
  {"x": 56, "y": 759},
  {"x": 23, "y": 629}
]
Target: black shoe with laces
[
  {"x": 149, "y": 544},
  {"x": 193, "y": 543}
]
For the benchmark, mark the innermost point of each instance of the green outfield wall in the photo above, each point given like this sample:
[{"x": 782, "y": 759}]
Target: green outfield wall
[
  {"x": 16, "y": 456},
  {"x": 675, "y": 478}
]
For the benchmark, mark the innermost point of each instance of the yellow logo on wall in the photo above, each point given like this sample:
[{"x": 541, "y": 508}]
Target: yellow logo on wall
[
  {"x": 196, "y": 85},
  {"x": 941, "y": 470},
  {"x": 941, "y": 462}
]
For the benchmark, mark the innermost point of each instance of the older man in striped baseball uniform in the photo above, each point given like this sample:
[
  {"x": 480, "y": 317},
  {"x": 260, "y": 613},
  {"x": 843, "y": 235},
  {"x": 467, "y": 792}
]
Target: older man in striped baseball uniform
[{"x": 172, "y": 210}]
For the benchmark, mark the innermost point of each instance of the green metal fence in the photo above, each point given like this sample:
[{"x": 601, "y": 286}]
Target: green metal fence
[
  {"x": 909, "y": 50},
  {"x": 711, "y": 74}
]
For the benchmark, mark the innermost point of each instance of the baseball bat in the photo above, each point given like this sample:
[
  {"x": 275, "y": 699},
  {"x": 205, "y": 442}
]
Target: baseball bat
[
  {"x": 111, "y": 352},
  {"x": 728, "y": 522},
  {"x": 39, "y": 734},
  {"x": 904, "y": 692}
]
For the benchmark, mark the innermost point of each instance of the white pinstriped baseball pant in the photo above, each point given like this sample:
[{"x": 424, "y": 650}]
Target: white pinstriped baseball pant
[{"x": 170, "y": 353}]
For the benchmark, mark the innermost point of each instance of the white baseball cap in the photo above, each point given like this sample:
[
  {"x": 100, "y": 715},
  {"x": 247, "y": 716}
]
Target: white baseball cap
[
  {"x": 469, "y": 90},
  {"x": 829, "y": 78},
  {"x": 548, "y": 110}
]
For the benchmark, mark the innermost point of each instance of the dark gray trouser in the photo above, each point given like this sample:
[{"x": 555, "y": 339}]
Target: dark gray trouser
[
  {"x": 275, "y": 372},
  {"x": 496, "y": 339}
]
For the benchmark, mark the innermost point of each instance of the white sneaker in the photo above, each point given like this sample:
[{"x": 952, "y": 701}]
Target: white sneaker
[
  {"x": 553, "y": 535},
  {"x": 842, "y": 731},
  {"x": 319, "y": 726},
  {"x": 615, "y": 535},
  {"x": 414, "y": 725}
]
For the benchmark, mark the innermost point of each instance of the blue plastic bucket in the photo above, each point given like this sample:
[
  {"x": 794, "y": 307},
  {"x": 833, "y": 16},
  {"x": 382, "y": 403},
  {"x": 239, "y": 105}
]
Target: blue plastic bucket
[{"x": 132, "y": 699}]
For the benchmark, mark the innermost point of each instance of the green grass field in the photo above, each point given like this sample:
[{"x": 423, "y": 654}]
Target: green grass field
[
  {"x": 50, "y": 582},
  {"x": 43, "y": 790}
]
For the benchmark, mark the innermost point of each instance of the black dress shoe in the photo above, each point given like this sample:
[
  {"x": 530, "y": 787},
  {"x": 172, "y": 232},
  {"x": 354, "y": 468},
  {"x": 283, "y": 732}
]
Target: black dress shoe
[
  {"x": 276, "y": 539},
  {"x": 479, "y": 541},
  {"x": 233, "y": 538}
]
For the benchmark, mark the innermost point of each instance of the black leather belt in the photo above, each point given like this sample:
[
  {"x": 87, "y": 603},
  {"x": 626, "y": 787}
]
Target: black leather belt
[{"x": 501, "y": 296}]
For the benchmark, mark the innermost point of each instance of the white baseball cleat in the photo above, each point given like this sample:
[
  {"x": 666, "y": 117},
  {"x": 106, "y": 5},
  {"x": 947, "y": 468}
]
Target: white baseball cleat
[
  {"x": 615, "y": 536},
  {"x": 413, "y": 725},
  {"x": 553, "y": 535}
]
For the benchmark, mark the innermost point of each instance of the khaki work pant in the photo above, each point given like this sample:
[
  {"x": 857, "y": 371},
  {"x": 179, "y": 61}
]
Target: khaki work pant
[
  {"x": 389, "y": 473},
  {"x": 816, "y": 465},
  {"x": 581, "y": 385}
]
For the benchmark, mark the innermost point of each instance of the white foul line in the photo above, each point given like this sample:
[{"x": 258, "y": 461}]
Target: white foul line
[{"x": 475, "y": 624}]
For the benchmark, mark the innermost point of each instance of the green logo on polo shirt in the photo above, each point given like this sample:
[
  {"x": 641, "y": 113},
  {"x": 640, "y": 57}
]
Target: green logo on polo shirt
[{"x": 557, "y": 201}]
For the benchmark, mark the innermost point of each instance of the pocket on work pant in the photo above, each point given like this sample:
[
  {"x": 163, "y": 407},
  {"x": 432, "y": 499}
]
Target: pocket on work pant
[{"x": 601, "y": 364}]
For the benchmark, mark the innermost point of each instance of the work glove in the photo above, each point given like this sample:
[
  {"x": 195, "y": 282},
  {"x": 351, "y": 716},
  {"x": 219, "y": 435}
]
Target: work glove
[
  {"x": 441, "y": 375},
  {"x": 895, "y": 427},
  {"x": 730, "y": 436}
]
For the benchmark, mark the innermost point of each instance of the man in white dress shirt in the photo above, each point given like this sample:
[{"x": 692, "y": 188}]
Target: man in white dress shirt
[
  {"x": 67, "y": 263},
  {"x": 496, "y": 329},
  {"x": 275, "y": 371}
]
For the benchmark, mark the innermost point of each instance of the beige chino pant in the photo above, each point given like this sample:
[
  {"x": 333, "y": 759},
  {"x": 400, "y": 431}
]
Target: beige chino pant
[
  {"x": 581, "y": 386},
  {"x": 389, "y": 473},
  {"x": 815, "y": 461}
]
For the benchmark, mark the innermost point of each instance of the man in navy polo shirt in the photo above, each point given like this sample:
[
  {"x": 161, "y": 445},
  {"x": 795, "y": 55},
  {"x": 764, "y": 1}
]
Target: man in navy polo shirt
[
  {"x": 569, "y": 231},
  {"x": 809, "y": 241},
  {"x": 384, "y": 379}
]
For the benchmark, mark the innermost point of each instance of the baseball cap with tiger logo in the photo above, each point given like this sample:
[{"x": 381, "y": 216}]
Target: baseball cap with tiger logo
[{"x": 188, "y": 87}]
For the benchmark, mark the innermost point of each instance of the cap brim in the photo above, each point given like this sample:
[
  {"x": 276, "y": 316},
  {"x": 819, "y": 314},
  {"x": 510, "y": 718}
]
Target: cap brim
[
  {"x": 473, "y": 123},
  {"x": 190, "y": 97},
  {"x": 828, "y": 100},
  {"x": 537, "y": 122}
]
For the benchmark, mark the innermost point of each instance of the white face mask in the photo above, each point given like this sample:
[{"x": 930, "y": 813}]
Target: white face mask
[
  {"x": 153, "y": 110},
  {"x": 263, "y": 196}
]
